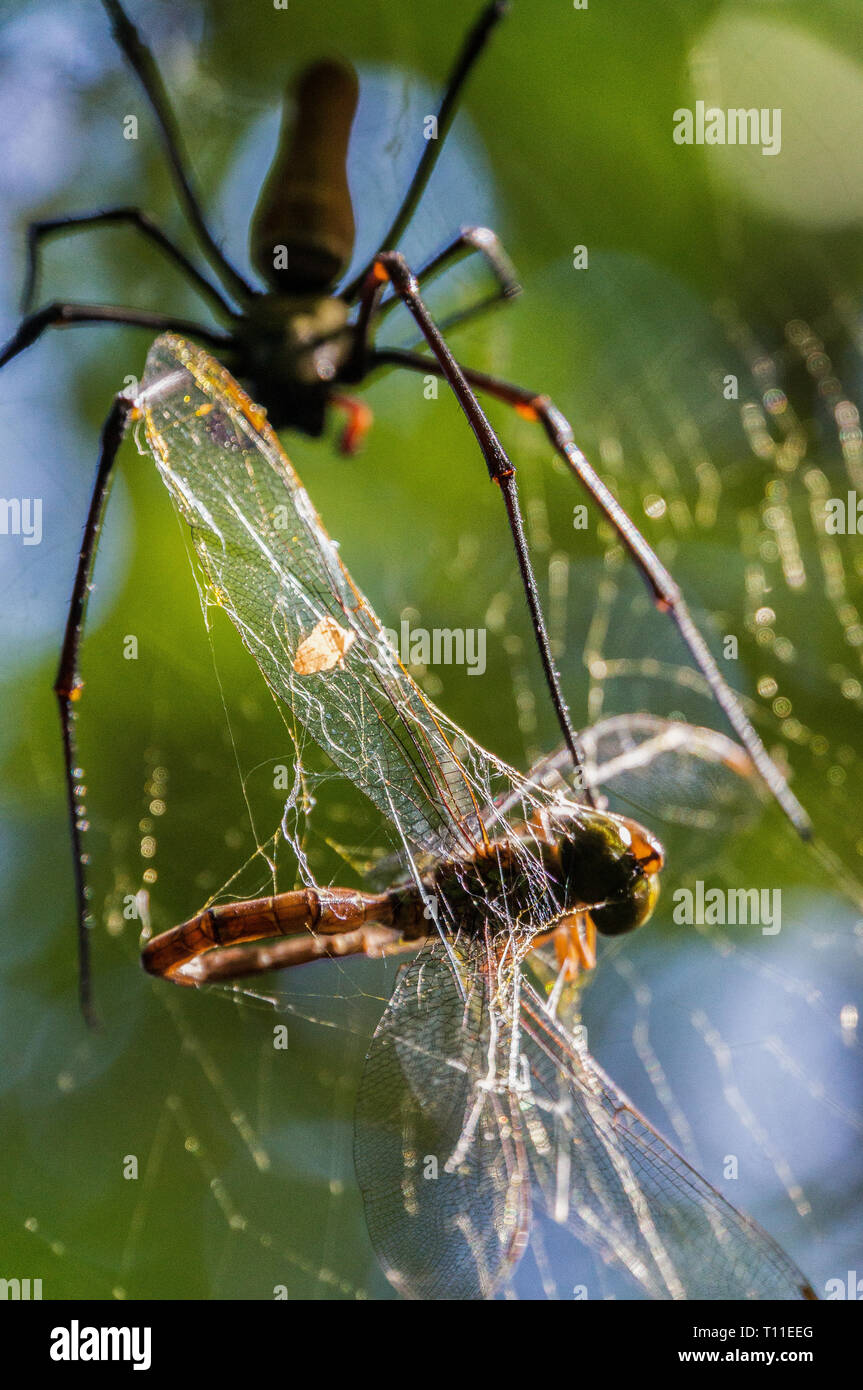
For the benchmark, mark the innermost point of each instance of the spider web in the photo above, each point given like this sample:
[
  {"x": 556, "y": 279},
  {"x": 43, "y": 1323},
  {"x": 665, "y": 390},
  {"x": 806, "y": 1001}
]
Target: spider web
[
  {"x": 734, "y": 1044},
  {"x": 657, "y": 1014}
]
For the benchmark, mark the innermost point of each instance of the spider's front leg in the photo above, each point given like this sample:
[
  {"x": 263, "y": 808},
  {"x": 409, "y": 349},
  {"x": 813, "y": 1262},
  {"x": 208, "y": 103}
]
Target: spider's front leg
[
  {"x": 145, "y": 68},
  {"x": 664, "y": 590},
  {"x": 470, "y": 240},
  {"x": 391, "y": 267}
]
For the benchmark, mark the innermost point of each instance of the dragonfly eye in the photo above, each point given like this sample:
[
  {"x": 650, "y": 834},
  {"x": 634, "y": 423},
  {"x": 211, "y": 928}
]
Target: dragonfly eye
[
  {"x": 646, "y": 848},
  {"x": 612, "y": 862},
  {"x": 617, "y": 918}
]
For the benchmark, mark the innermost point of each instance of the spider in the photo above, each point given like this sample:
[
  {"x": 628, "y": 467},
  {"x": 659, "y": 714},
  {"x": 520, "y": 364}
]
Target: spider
[{"x": 299, "y": 341}]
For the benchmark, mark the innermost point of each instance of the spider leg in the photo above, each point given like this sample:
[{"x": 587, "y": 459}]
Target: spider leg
[
  {"x": 142, "y": 63},
  {"x": 59, "y": 315},
  {"x": 470, "y": 240},
  {"x": 68, "y": 684},
  {"x": 358, "y": 422},
  {"x": 472, "y": 48},
  {"x": 38, "y": 232},
  {"x": 392, "y": 267},
  {"x": 664, "y": 591}
]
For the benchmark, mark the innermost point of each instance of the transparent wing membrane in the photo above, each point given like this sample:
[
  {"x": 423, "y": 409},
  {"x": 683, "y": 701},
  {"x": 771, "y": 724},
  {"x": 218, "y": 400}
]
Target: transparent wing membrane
[
  {"x": 601, "y": 1171},
  {"x": 268, "y": 562},
  {"x": 471, "y": 1112},
  {"x": 439, "y": 1157}
]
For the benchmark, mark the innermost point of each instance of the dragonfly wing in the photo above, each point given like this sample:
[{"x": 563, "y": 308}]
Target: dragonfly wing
[
  {"x": 267, "y": 561},
  {"x": 440, "y": 1158},
  {"x": 603, "y": 1172},
  {"x": 666, "y": 771}
]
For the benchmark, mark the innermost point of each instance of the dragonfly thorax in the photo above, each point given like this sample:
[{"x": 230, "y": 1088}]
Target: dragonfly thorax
[{"x": 572, "y": 861}]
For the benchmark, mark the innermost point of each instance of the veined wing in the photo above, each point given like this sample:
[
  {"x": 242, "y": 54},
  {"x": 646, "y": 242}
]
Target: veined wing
[
  {"x": 661, "y": 770},
  {"x": 462, "y": 1127},
  {"x": 438, "y": 1148},
  {"x": 603, "y": 1172},
  {"x": 268, "y": 562}
]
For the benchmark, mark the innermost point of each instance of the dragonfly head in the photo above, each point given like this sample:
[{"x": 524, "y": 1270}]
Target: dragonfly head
[{"x": 611, "y": 864}]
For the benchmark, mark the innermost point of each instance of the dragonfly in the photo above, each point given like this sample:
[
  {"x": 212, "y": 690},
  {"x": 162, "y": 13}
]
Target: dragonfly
[
  {"x": 478, "y": 1107},
  {"x": 305, "y": 340}
]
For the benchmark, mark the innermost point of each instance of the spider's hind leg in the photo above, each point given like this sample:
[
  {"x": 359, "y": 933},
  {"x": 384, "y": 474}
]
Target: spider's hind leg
[{"x": 663, "y": 589}]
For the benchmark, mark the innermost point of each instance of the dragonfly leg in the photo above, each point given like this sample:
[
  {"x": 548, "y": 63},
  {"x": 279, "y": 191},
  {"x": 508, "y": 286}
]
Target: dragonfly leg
[
  {"x": 390, "y": 266},
  {"x": 473, "y": 46},
  {"x": 59, "y": 315},
  {"x": 38, "y": 232},
  {"x": 663, "y": 589},
  {"x": 586, "y": 933},
  {"x": 68, "y": 684},
  {"x": 142, "y": 63},
  {"x": 315, "y": 924},
  {"x": 574, "y": 941}
]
